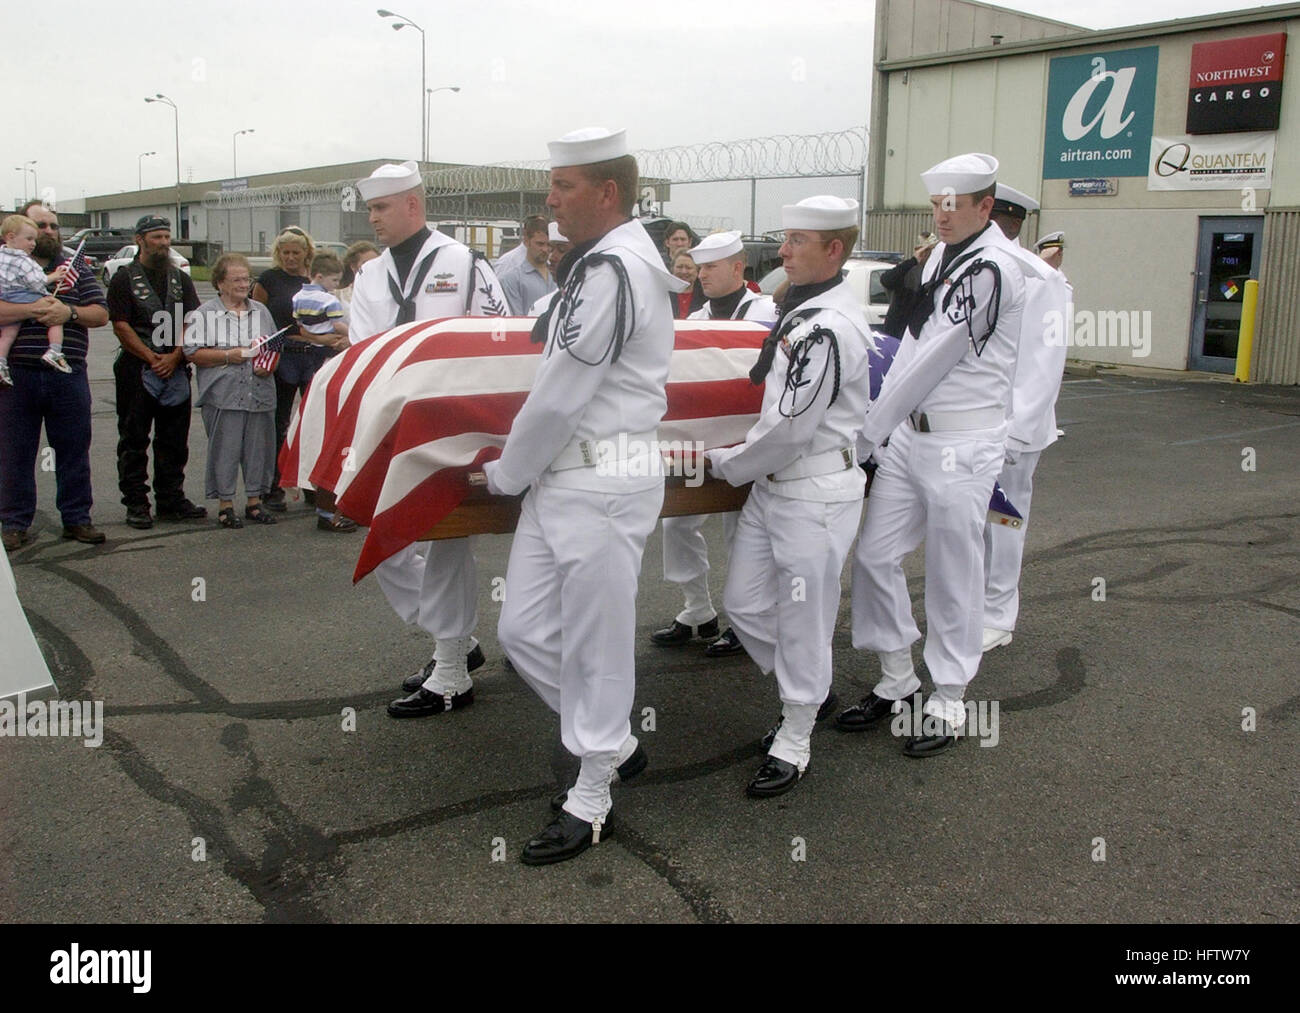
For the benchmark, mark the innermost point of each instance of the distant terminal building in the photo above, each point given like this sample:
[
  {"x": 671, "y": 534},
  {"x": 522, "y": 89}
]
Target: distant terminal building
[
  {"x": 481, "y": 205},
  {"x": 1165, "y": 152}
]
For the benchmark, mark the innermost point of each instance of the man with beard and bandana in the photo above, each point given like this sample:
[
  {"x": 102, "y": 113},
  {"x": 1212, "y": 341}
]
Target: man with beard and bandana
[
  {"x": 147, "y": 302},
  {"x": 43, "y": 395},
  {"x": 794, "y": 533}
]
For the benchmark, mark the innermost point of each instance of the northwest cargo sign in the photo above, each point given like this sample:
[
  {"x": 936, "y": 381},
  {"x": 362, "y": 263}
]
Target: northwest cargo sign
[
  {"x": 1100, "y": 111},
  {"x": 1236, "y": 85},
  {"x": 1212, "y": 163}
]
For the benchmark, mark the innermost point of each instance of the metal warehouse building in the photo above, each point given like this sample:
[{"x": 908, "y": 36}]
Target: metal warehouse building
[{"x": 1166, "y": 152}]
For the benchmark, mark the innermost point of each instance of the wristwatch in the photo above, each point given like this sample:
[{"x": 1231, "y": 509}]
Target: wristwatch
[{"x": 73, "y": 319}]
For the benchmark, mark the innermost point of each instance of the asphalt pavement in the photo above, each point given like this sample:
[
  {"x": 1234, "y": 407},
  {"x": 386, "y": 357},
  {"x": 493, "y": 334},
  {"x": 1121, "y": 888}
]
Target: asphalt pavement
[{"x": 1144, "y": 765}]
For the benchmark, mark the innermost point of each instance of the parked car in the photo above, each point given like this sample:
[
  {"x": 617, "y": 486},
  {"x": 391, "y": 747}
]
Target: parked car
[
  {"x": 127, "y": 254},
  {"x": 863, "y": 278}
]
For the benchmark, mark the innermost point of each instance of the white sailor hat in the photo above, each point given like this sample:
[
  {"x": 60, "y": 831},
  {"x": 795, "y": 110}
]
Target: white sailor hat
[
  {"x": 553, "y": 233},
  {"x": 718, "y": 246},
  {"x": 389, "y": 179},
  {"x": 961, "y": 174},
  {"x": 1010, "y": 201},
  {"x": 820, "y": 214},
  {"x": 588, "y": 146}
]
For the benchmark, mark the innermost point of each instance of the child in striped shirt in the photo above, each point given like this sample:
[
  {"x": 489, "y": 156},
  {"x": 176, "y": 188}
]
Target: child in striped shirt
[{"x": 23, "y": 281}]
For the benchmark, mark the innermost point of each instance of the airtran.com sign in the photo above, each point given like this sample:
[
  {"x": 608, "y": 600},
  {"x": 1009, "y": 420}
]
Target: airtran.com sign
[{"x": 1100, "y": 111}]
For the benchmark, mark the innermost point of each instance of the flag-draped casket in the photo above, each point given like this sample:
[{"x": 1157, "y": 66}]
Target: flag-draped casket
[{"x": 395, "y": 425}]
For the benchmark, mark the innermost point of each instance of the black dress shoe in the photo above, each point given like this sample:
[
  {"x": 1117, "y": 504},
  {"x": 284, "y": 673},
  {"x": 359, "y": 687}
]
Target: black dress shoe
[
  {"x": 627, "y": 770},
  {"x": 865, "y": 713},
  {"x": 726, "y": 644},
  {"x": 182, "y": 511},
  {"x": 413, "y": 682},
  {"x": 823, "y": 712},
  {"x": 138, "y": 517},
  {"x": 920, "y": 746},
  {"x": 422, "y": 703},
  {"x": 774, "y": 777},
  {"x": 680, "y": 633},
  {"x": 567, "y": 837}
]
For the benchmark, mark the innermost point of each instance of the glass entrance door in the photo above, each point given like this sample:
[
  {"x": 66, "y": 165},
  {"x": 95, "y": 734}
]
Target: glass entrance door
[{"x": 1227, "y": 257}]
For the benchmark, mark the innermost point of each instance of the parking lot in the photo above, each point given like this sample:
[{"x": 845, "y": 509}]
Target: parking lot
[{"x": 1144, "y": 767}]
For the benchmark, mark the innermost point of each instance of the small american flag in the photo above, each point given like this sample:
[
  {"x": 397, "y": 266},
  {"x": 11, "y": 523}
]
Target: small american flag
[
  {"x": 268, "y": 348},
  {"x": 75, "y": 267}
]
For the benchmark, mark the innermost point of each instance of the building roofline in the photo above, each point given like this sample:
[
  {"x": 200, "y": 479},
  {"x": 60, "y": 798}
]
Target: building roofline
[{"x": 1089, "y": 37}]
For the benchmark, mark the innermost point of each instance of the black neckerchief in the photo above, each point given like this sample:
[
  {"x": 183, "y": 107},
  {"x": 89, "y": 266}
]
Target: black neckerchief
[
  {"x": 562, "y": 271},
  {"x": 405, "y": 252},
  {"x": 796, "y": 297},
  {"x": 924, "y": 305},
  {"x": 724, "y": 308}
]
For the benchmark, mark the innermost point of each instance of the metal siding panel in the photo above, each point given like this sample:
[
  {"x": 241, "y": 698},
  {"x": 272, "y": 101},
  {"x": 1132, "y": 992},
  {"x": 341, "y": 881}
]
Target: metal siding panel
[{"x": 1277, "y": 350}]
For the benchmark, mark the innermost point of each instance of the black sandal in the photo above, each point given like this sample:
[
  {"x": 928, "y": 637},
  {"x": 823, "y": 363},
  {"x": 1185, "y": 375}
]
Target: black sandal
[
  {"x": 227, "y": 519},
  {"x": 257, "y": 515}
]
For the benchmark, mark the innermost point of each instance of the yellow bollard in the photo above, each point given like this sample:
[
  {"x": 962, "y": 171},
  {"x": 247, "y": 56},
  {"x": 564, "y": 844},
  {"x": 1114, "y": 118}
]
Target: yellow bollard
[{"x": 1246, "y": 336}]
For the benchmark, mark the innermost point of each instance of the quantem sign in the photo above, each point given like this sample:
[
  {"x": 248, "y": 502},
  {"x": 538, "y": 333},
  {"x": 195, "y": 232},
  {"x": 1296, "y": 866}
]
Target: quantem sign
[
  {"x": 1236, "y": 85},
  {"x": 1100, "y": 110},
  {"x": 1212, "y": 163}
]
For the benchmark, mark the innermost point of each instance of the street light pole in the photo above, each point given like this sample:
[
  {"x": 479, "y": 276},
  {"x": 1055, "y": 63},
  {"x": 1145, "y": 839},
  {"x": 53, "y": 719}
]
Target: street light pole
[
  {"x": 406, "y": 22},
  {"x": 176, "y": 123},
  {"x": 139, "y": 168},
  {"x": 234, "y": 147},
  {"x": 36, "y": 181},
  {"x": 428, "y": 100}
]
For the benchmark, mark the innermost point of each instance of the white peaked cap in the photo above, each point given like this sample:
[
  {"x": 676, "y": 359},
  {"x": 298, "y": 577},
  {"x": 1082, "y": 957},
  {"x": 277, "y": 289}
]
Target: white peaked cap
[
  {"x": 718, "y": 246},
  {"x": 961, "y": 174},
  {"x": 1011, "y": 195},
  {"x": 820, "y": 214},
  {"x": 587, "y": 146},
  {"x": 389, "y": 179},
  {"x": 553, "y": 233}
]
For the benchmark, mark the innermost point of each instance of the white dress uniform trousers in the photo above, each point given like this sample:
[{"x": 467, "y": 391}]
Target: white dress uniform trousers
[
  {"x": 1039, "y": 369},
  {"x": 953, "y": 379},
  {"x": 686, "y": 553},
  {"x": 431, "y": 584},
  {"x": 795, "y": 531},
  {"x": 569, "y": 617}
]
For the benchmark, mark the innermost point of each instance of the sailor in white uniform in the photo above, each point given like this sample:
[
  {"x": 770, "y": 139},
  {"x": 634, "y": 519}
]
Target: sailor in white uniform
[
  {"x": 943, "y": 409},
  {"x": 423, "y": 275},
  {"x": 721, "y": 261},
  {"x": 584, "y": 447},
  {"x": 1040, "y": 366},
  {"x": 796, "y": 529}
]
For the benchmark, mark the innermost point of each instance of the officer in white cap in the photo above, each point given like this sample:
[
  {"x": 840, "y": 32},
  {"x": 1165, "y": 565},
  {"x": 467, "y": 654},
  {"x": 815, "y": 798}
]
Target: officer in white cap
[
  {"x": 721, "y": 261},
  {"x": 583, "y": 447},
  {"x": 942, "y": 409},
  {"x": 423, "y": 275},
  {"x": 795, "y": 531},
  {"x": 1040, "y": 364}
]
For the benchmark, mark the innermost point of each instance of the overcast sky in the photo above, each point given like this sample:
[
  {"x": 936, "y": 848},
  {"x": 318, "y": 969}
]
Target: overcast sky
[{"x": 326, "y": 81}]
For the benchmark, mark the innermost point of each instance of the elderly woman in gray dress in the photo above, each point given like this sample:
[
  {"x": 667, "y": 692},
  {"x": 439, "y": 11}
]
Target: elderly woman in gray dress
[{"x": 237, "y": 398}]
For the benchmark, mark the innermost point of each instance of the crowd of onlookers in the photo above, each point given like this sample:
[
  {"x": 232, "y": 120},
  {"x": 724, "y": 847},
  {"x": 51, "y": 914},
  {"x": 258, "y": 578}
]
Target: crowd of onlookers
[{"x": 242, "y": 358}]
